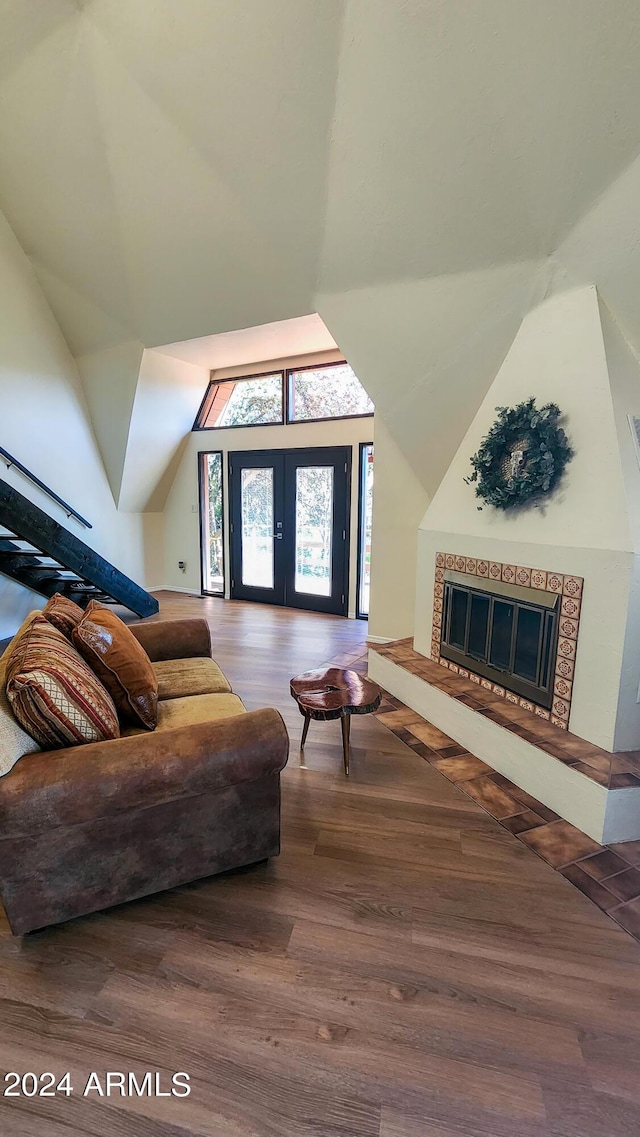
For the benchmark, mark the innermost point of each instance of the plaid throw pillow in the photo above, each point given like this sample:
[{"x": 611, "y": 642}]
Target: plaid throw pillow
[{"x": 53, "y": 693}]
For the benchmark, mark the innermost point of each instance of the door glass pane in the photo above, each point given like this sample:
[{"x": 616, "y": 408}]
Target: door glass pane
[
  {"x": 458, "y": 625},
  {"x": 478, "y": 626},
  {"x": 366, "y": 518},
  {"x": 500, "y": 656},
  {"x": 525, "y": 663},
  {"x": 213, "y": 562},
  {"x": 257, "y": 527},
  {"x": 314, "y": 529}
]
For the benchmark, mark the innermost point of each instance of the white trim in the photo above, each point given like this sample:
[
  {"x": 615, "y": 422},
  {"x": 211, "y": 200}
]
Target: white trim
[
  {"x": 380, "y": 639},
  {"x": 175, "y": 588}
]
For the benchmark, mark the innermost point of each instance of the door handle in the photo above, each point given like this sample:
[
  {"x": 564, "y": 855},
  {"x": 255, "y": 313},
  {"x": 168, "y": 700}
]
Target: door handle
[{"x": 278, "y": 536}]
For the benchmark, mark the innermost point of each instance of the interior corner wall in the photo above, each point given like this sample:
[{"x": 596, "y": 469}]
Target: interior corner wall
[
  {"x": 399, "y": 503},
  {"x": 168, "y": 394},
  {"x": 45, "y": 424},
  {"x": 109, "y": 379}
]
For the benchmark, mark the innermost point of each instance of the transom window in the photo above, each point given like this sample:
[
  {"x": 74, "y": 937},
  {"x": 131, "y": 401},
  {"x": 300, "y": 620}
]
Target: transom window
[
  {"x": 301, "y": 394},
  {"x": 326, "y": 392}
]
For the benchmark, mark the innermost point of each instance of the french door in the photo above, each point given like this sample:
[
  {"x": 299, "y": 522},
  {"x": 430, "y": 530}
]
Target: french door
[{"x": 290, "y": 527}]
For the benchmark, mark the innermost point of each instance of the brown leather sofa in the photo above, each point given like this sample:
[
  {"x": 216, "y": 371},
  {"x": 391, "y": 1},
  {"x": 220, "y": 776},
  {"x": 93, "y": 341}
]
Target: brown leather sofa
[{"x": 90, "y": 826}]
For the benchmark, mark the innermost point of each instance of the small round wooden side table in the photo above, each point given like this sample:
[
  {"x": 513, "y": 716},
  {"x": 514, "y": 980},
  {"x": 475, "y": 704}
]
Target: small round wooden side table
[{"x": 333, "y": 693}]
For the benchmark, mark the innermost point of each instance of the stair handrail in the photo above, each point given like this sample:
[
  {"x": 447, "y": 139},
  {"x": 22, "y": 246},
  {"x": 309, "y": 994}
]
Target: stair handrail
[{"x": 69, "y": 510}]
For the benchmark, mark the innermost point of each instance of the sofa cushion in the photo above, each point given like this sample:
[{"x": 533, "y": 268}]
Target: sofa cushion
[
  {"x": 14, "y": 741},
  {"x": 63, "y": 614},
  {"x": 121, "y": 664},
  {"x": 194, "y": 709},
  {"x": 53, "y": 693},
  {"x": 198, "y": 676}
]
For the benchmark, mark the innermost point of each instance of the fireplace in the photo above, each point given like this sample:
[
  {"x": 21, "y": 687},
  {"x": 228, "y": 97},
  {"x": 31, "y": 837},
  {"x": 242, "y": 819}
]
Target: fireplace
[{"x": 504, "y": 632}]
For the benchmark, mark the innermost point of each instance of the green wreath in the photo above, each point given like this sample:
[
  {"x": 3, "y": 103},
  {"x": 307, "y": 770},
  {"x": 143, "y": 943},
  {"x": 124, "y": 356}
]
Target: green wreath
[{"x": 522, "y": 457}]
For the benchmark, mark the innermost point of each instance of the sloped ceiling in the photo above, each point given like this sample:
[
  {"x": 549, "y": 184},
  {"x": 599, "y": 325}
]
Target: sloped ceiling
[{"x": 176, "y": 170}]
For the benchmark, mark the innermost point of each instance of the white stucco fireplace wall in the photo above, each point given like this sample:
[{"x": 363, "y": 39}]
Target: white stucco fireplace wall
[{"x": 570, "y": 351}]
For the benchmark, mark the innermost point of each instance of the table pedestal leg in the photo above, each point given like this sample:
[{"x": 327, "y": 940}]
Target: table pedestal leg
[
  {"x": 346, "y": 725},
  {"x": 305, "y": 730}
]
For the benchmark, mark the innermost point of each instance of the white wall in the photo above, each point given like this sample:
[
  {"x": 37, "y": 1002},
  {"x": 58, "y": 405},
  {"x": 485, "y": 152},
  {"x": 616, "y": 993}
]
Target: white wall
[
  {"x": 168, "y": 394},
  {"x": 110, "y": 378},
  {"x": 585, "y": 528},
  {"x": 624, "y": 376},
  {"x": 45, "y": 424},
  {"x": 182, "y": 526},
  {"x": 428, "y": 350},
  {"x": 399, "y": 502}
]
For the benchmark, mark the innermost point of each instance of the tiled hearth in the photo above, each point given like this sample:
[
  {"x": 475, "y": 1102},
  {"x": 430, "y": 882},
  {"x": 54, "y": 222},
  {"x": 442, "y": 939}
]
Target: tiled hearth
[
  {"x": 615, "y": 771},
  {"x": 608, "y": 875}
]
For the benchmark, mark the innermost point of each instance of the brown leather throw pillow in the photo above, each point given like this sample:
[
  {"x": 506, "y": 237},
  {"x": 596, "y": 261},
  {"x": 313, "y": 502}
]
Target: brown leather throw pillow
[
  {"x": 63, "y": 613},
  {"x": 121, "y": 664}
]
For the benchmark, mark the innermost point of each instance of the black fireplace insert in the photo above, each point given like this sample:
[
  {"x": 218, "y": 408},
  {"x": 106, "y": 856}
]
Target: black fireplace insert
[{"x": 503, "y": 632}]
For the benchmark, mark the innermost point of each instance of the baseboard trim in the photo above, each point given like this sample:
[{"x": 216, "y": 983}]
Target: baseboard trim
[
  {"x": 379, "y": 639},
  {"x": 175, "y": 588}
]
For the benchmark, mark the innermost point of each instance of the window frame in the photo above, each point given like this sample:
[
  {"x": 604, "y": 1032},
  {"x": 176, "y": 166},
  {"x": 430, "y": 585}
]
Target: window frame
[
  {"x": 286, "y": 374},
  {"x": 363, "y": 447},
  {"x": 288, "y": 378},
  {"x": 205, "y": 405},
  {"x": 202, "y": 458}
]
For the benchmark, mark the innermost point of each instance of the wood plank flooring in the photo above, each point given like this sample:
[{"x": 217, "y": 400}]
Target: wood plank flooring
[
  {"x": 608, "y": 874},
  {"x": 406, "y": 967}
]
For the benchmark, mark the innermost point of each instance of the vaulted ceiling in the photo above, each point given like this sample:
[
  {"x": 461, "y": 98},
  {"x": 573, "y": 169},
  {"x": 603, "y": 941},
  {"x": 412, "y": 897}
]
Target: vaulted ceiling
[{"x": 419, "y": 173}]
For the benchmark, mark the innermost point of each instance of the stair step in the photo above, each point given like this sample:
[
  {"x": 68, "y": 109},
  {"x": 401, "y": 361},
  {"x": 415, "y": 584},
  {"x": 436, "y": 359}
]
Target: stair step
[
  {"x": 36, "y": 568},
  {"x": 22, "y": 553},
  {"x": 37, "y": 551}
]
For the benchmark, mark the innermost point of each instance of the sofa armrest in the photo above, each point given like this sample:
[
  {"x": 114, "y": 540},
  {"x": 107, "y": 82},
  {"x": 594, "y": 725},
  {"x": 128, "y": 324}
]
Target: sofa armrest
[
  {"x": 80, "y": 784},
  {"x": 174, "y": 639}
]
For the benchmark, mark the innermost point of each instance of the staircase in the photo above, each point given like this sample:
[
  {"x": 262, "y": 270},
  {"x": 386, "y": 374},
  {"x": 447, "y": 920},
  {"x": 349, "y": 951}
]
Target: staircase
[{"x": 42, "y": 555}]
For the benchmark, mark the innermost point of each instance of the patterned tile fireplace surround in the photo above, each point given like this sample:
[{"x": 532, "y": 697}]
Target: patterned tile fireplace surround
[{"x": 568, "y": 587}]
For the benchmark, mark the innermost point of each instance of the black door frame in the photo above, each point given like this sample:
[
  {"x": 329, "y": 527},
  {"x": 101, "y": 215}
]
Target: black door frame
[
  {"x": 203, "y": 504},
  {"x": 363, "y": 447},
  {"x": 284, "y": 463}
]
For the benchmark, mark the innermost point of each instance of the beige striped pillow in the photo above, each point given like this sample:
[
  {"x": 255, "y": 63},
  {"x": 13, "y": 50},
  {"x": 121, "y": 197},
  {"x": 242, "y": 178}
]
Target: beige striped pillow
[
  {"x": 14, "y": 741},
  {"x": 53, "y": 693}
]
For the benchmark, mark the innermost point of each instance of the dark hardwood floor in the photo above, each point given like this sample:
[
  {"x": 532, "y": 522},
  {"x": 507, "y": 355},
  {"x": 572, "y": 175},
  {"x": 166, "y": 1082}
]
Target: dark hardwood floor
[{"x": 406, "y": 967}]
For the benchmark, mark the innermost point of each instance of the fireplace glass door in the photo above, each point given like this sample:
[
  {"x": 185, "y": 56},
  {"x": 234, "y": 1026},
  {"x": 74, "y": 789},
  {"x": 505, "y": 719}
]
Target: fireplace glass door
[{"x": 508, "y": 636}]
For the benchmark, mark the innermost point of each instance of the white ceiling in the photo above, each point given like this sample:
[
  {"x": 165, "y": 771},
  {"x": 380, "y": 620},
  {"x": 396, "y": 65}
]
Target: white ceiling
[
  {"x": 177, "y": 170},
  {"x": 280, "y": 340},
  {"x": 164, "y": 164}
]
